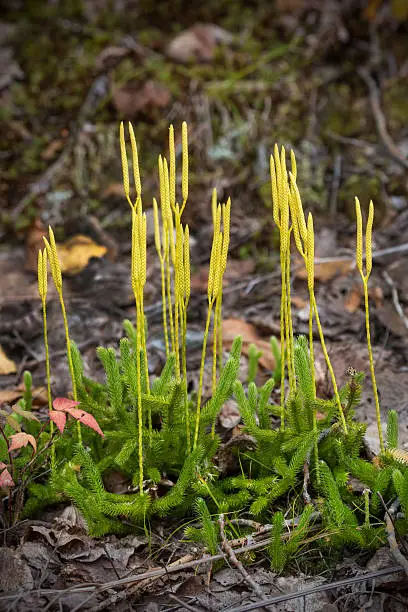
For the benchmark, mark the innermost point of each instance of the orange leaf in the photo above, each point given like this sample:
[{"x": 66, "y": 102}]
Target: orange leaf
[
  {"x": 63, "y": 403},
  {"x": 5, "y": 478},
  {"x": 86, "y": 418},
  {"x": 59, "y": 418},
  {"x": 7, "y": 366},
  {"x": 76, "y": 252},
  {"x": 231, "y": 328},
  {"x": 21, "y": 439},
  {"x": 326, "y": 270},
  {"x": 353, "y": 300}
]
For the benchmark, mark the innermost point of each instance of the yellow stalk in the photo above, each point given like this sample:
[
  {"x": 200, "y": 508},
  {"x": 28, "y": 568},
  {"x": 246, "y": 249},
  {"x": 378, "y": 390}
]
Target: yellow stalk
[
  {"x": 309, "y": 260},
  {"x": 310, "y": 284},
  {"x": 200, "y": 382},
  {"x": 289, "y": 329},
  {"x": 218, "y": 313},
  {"x": 187, "y": 289},
  {"x": 138, "y": 278},
  {"x": 57, "y": 278},
  {"x": 214, "y": 287},
  {"x": 177, "y": 283},
  {"x": 365, "y": 277},
  {"x": 139, "y": 400},
  {"x": 42, "y": 290},
  {"x": 329, "y": 366},
  {"x": 282, "y": 341},
  {"x": 167, "y": 232},
  {"x": 162, "y": 273}
]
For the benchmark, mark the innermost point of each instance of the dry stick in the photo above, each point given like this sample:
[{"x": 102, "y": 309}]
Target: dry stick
[
  {"x": 387, "y": 571},
  {"x": 122, "y": 595},
  {"x": 183, "y": 603},
  {"x": 395, "y": 298},
  {"x": 392, "y": 541},
  {"x": 390, "y": 529},
  {"x": 235, "y": 561},
  {"x": 380, "y": 121}
]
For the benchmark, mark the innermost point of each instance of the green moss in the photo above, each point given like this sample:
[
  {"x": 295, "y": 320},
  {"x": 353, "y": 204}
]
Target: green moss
[
  {"x": 345, "y": 113},
  {"x": 395, "y": 101},
  {"x": 368, "y": 188}
]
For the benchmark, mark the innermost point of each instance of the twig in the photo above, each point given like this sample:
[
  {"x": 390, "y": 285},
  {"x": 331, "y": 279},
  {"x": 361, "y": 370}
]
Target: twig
[
  {"x": 392, "y": 541},
  {"x": 96, "y": 91},
  {"x": 182, "y": 603},
  {"x": 390, "y": 529},
  {"x": 395, "y": 298},
  {"x": 387, "y": 571},
  {"x": 235, "y": 561},
  {"x": 355, "y": 142},
  {"x": 306, "y": 477},
  {"x": 128, "y": 592},
  {"x": 380, "y": 120}
]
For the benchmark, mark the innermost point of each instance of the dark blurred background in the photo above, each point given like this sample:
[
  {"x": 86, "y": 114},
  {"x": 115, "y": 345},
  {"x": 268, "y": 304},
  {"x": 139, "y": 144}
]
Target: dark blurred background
[{"x": 308, "y": 74}]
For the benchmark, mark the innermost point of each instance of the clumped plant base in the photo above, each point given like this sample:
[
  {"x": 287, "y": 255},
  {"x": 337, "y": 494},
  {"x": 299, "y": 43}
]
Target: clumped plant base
[{"x": 303, "y": 457}]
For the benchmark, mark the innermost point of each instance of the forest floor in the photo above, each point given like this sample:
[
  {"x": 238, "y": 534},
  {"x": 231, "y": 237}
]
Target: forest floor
[{"x": 329, "y": 80}]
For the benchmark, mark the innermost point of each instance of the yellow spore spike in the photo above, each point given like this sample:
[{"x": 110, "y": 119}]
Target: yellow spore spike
[
  {"x": 184, "y": 175},
  {"x": 300, "y": 215},
  {"x": 284, "y": 228},
  {"x": 293, "y": 165},
  {"x": 214, "y": 249},
  {"x": 187, "y": 288},
  {"x": 54, "y": 261},
  {"x": 172, "y": 167},
  {"x": 214, "y": 205},
  {"x": 310, "y": 253},
  {"x": 125, "y": 168},
  {"x": 295, "y": 220},
  {"x": 369, "y": 246},
  {"x": 284, "y": 178},
  {"x": 157, "y": 240},
  {"x": 226, "y": 223},
  {"x": 359, "y": 241},
  {"x": 169, "y": 219},
  {"x": 135, "y": 162},
  {"x": 162, "y": 188},
  {"x": 142, "y": 246},
  {"x": 217, "y": 269},
  {"x": 42, "y": 273},
  {"x": 274, "y": 188}
]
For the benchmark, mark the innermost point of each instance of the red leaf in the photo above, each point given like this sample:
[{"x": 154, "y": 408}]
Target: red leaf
[
  {"x": 6, "y": 479},
  {"x": 21, "y": 439},
  {"x": 2, "y": 465},
  {"x": 59, "y": 418},
  {"x": 90, "y": 421},
  {"x": 87, "y": 419},
  {"x": 63, "y": 403}
]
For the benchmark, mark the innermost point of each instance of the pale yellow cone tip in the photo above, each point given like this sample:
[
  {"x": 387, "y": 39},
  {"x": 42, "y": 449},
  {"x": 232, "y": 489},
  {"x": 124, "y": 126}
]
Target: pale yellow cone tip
[{"x": 359, "y": 238}]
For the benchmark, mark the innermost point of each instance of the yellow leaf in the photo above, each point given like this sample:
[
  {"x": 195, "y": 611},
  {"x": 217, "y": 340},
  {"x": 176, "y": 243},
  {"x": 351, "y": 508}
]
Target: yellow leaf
[
  {"x": 7, "y": 366},
  {"x": 75, "y": 253},
  {"x": 324, "y": 271}
]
